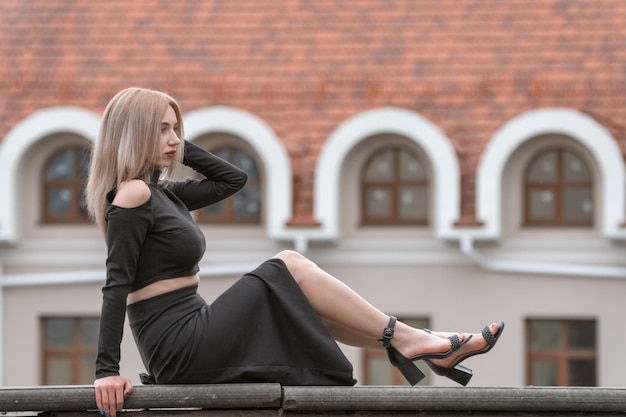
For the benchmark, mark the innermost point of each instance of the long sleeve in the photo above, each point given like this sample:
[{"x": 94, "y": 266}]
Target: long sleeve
[
  {"x": 222, "y": 179},
  {"x": 126, "y": 232}
]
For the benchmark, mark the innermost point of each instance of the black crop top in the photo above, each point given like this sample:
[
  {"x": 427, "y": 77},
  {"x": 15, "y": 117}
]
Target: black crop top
[{"x": 157, "y": 240}]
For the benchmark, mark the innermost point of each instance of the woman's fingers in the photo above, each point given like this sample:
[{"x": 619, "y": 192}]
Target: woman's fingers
[{"x": 110, "y": 392}]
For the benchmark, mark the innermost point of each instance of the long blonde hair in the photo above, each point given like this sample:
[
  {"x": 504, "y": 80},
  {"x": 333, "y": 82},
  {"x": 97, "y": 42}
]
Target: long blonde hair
[{"x": 127, "y": 145}]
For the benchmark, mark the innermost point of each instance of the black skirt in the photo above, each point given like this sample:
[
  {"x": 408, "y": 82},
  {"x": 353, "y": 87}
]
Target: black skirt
[{"x": 262, "y": 329}]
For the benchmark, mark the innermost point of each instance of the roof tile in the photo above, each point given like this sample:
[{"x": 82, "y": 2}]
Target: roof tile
[{"x": 305, "y": 67}]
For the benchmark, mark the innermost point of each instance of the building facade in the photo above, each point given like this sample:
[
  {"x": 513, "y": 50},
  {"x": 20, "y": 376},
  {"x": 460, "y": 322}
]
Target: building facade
[{"x": 455, "y": 162}]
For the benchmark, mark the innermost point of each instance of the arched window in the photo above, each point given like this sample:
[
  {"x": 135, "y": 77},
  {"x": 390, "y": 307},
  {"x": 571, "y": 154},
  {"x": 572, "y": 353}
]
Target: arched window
[
  {"x": 394, "y": 188},
  {"x": 245, "y": 205},
  {"x": 63, "y": 185},
  {"x": 558, "y": 190}
]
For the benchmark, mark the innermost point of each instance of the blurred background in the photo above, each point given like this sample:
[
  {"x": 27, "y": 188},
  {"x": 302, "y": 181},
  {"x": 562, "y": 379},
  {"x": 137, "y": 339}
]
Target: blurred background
[{"x": 456, "y": 162}]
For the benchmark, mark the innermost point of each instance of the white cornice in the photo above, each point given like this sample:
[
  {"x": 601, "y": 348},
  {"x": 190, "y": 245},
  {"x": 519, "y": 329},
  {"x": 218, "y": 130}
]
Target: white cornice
[
  {"x": 406, "y": 123},
  {"x": 571, "y": 123},
  {"x": 266, "y": 144},
  {"x": 12, "y": 149}
]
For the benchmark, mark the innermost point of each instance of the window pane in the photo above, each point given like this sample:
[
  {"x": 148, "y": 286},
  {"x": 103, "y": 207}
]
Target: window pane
[
  {"x": 61, "y": 166},
  {"x": 380, "y": 169},
  {"x": 59, "y": 371},
  {"x": 64, "y": 183},
  {"x": 544, "y": 335},
  {"x": 59, "y": 201},
  {"x": 378, "y": 203},
  {"x": 566, "y": 196},
  {"x": 544, "y": 169},
  {"x": 412, "y": 203},
  {"x": 562, "y": 352},
  {"x": 574, "y": 169},
  {"x": 395, "y": 188},
  {"x": 577, "y": 204},
  {"x": 85, "y": 161},
  {"x": 410, "y": 168},
  {"x": 544, "y": 372},
  {"x": 59, "y": 333},
  {"x": 69, "y": 350},
  {"x": 582, "y": 373},
  {"x": 379, "y": 371},
  {"x": 89, "y": 329},
  {"x": 244, "y": 206},
  {"x": 87, "y": 369},
  {"x": 223, "y": 153},
  {"x": 582, "y": 334},
  {"x": 541, "y": 204},
  {"x": 214, "y": 208},
  {"x": 247, "y": 202},
  {"x": 243, "y": 161}
]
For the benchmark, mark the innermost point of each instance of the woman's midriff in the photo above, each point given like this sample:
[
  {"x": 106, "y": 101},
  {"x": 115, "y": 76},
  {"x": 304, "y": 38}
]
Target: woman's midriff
[{"x": 162, "y": 287}]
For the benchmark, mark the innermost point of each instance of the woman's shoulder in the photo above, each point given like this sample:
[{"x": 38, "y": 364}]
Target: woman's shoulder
[{"x": 132, "y": 194}]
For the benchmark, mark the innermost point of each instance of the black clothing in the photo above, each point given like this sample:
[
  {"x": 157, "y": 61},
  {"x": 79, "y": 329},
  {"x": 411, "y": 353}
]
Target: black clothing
[
  {"x": 262, "y": 329},
  {"x": 157, "y": 240}
]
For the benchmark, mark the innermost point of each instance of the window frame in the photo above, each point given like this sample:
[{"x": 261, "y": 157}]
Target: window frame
[
  {"x": 563, "y": 354},
  {"x": 558, "y": 187},
  {"x": 395, "y": 185},
  {"x": 76, "y": 184},
  {"x": 227, "y": 216},
  {"x": 74, "y": 352}
]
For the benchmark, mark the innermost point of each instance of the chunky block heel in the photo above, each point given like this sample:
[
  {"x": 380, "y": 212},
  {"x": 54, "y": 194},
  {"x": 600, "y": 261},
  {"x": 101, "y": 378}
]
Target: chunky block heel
[
  {"x": 458, "y": 373},
  {"x": 406, "y": 367}
]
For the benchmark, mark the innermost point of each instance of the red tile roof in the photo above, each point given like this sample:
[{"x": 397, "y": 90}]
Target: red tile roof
[{"x": 306, "y": 66}]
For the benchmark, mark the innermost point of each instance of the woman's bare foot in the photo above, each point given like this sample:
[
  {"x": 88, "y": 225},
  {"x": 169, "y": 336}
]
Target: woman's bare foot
[{"x": 476, "y": 345}]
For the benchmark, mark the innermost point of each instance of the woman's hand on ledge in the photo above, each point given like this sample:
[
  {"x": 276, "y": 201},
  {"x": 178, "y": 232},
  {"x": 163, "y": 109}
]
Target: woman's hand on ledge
[{"x": 110, "y": 394}]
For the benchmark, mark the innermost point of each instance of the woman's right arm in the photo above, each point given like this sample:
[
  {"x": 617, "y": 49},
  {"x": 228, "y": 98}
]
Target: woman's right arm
[
  {"x": 221, "y": 178},
  {"x": 128, "y": 222}
]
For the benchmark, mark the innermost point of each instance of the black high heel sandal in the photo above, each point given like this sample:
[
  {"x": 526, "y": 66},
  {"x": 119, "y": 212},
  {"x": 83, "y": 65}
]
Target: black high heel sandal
[
  {"x": 459, "y": 373},
  {"x": 405, "y": 365}
]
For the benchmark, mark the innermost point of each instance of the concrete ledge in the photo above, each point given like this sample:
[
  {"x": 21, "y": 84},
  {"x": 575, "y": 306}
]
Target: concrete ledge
[
  {"x": 82, "y": 397},
  {"x": 274, "y": 400},
  {"x": 506, "y": 399}
]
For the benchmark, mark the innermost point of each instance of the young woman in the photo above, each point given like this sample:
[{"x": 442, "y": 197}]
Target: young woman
[{"x": 278, "y": 323}]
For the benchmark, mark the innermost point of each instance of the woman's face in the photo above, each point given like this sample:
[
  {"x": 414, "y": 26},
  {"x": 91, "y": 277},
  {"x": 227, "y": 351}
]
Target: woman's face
[{"x": 168, "y": 139}]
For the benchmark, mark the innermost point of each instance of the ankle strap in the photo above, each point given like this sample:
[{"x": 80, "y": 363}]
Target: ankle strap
[{"x": 388, "y": 332}]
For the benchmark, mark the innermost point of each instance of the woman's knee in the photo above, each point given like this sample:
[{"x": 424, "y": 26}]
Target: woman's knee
[
  {"x": 295, "y": 262},
  {"x": 290, "y": 257}
]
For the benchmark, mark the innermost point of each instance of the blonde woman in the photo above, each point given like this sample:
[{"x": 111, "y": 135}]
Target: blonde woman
[{"x": 278, "y": 323}]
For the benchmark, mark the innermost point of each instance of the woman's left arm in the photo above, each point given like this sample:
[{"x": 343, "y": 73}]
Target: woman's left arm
[{"x": 222, "y": 179}]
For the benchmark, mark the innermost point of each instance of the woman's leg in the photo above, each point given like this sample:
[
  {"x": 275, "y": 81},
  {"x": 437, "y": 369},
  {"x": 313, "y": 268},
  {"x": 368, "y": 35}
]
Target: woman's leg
[
  {"x": 350, "y": 318},
  {"x": 351, "y": 337}
]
